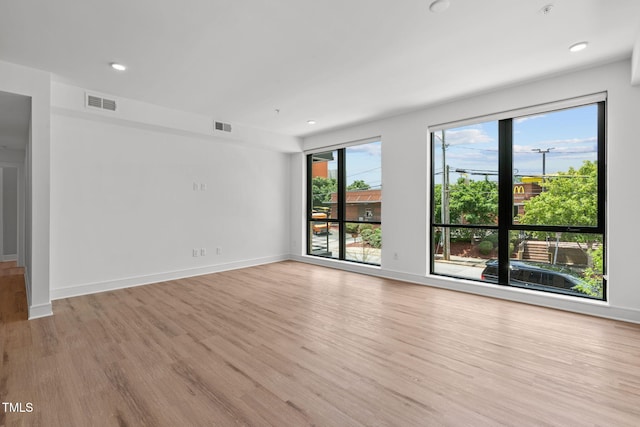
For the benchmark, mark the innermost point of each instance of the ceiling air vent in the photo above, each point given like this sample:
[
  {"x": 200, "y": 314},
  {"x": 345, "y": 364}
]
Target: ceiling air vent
[
  {"x": 95, "y": 101},
  {"x": 225, "y": 127}
]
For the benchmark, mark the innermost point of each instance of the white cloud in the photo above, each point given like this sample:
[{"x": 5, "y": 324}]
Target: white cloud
[
  {"x": 373, "y": 149},
  {"x": 525, "y": 118},
  {"x": 573, "y": 145},
  {"x": 572, "y": 141},
  {"x": 467, "y": 136}
]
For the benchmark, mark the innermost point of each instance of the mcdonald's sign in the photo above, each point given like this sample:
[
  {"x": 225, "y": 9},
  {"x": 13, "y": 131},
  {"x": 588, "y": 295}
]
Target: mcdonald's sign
[{"x": 518, "y": 189}]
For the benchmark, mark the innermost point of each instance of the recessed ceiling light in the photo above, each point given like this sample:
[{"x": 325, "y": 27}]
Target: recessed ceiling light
[
  {"x": 311, "y": 122},
  {"x": 578, "y": 47},
  {"x": 117, "y": 66},
  {"x": 439, "y": 6}
]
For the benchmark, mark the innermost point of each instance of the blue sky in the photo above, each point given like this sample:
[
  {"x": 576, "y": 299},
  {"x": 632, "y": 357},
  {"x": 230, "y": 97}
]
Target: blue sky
[
  {"x": 364, "y": 162},
  {"x": 569, "y": 135}
]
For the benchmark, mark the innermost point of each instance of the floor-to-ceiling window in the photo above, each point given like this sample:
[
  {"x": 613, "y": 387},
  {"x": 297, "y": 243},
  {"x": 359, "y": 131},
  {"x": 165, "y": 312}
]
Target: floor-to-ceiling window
[
  {"x": 344, "y": 202},
  {"x": 518, "y": 198}
]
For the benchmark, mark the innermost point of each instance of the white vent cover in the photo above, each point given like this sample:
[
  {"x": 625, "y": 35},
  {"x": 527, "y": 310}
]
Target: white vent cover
[
  {"x": 95, "y": 101},
  {"x": 225, "y": 127}
]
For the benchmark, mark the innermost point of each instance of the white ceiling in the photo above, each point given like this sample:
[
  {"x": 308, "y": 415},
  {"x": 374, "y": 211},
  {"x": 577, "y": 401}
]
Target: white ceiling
[{"x": 338, "y": 62}]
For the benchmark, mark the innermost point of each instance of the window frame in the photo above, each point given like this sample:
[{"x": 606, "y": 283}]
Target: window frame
[
  {"x": 340, "y": 218},
  {"x": 505, "y": 179}
]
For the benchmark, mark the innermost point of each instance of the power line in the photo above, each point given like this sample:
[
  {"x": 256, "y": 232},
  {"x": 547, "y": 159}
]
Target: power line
[{"x": 364, "y": 171}]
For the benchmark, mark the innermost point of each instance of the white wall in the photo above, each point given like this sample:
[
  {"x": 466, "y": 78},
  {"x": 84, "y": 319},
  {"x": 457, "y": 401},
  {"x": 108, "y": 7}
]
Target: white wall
[
  {"x": 36, "y": 85},
  {"x": 123, "y": 206},
  {"x": 405, "y": 161}
]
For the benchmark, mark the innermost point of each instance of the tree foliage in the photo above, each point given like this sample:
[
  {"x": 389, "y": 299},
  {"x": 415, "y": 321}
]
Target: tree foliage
[
  {"x": 570, "y": 199},
  {"x": 470, "y": 202},
  {"x": 322, "y": 189},
  {"x": 474, "y": 202},
  {"x": 437, "y": 203},
  {"x": 358, "y": 184},
  {"x": 592, "y": 276},
  {"x": 371, "y": 236}
]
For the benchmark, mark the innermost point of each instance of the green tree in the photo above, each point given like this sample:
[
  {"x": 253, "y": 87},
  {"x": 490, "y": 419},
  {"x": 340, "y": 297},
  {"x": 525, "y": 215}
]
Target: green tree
[
  {"x": 569, "y": 199},
  {"x": 474, "y": 202},
  {"x": 437, "y": 202},
  {"x": 372, "y": 236},
  {"x": 358, "y": 184},
  {"x": 592, "y": 276},
  {"x": 322, "y": 189},
  {"x": 470, "y": 202}
]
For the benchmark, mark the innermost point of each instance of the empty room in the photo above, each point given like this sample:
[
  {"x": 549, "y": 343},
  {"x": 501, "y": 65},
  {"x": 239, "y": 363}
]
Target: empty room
[{"x": 336, "y": 213}]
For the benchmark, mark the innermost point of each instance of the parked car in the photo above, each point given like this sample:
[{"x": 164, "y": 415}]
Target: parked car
[{"x": 534, "y": 276}]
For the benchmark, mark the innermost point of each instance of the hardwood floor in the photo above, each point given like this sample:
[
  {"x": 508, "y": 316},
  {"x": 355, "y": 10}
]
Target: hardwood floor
[{"x": 290, "y": 344}]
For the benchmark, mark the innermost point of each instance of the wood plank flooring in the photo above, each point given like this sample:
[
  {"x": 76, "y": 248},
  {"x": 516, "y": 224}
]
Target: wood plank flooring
[{"x": 291, "y": 344}]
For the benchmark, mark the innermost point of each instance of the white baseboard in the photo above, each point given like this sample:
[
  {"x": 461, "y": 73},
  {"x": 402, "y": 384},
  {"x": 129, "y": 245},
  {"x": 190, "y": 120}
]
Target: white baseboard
[
  {"x": 560, "y": 302},
  {"x": 10, "y": 257},
  {"x": 40, "y": 310},
  {"x": 92, "y": 288},
  {"x": 35, "y": 310}
]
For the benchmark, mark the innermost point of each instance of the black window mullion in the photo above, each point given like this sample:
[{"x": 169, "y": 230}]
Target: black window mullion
[
  {"x": 432, "y": 204},
  {"x": 309, "y": 201},
  {"x": 602, "y": 188},
  {"x": 505, "y": 196},
  {"x": 342, "y": 204},
  {"x": 601, "y": 165}
]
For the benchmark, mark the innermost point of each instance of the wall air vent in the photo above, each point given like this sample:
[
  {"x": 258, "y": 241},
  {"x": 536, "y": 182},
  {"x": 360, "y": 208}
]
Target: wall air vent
[
  {"x": 108, "y": 104},
  {"x": 94, "y": 101},
  {"x": 225, "y": 127}
]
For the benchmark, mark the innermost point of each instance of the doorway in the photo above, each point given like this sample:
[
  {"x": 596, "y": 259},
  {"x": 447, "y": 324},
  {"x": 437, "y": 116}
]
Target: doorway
[{"x": 15, "y": 123}]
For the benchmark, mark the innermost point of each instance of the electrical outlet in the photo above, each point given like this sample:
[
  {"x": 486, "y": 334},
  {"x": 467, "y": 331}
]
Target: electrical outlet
[
  {"x": 195, "y": 252},
  {"x": 203, "y": 187},
  {"x": 218, "y": 251},
  {"x": 203, "y": 251},
  {"x": 195, "y": 186}
]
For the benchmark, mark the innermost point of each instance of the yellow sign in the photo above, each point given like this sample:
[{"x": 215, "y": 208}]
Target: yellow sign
[
  {"x": 518, "y": 189},
  {"x": 536, "y": 179}
]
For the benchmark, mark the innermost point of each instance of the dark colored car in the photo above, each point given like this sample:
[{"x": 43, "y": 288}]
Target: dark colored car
[{"x": 534, "y": 276}]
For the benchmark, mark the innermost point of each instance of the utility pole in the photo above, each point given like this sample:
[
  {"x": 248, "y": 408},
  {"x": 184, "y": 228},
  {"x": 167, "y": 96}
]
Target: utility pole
[
  {"x": 446, "y": 232},
  {"x": 543, "y": 152}
]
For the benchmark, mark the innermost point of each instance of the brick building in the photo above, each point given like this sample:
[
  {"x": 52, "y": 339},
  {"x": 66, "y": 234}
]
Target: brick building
[
  {"x": 522, "y": 192},
  {"x": 361, "y": 205}
]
